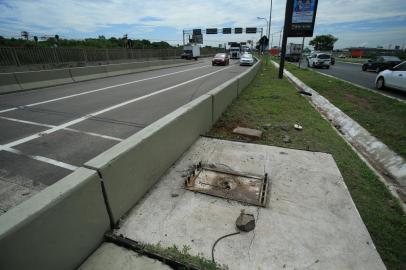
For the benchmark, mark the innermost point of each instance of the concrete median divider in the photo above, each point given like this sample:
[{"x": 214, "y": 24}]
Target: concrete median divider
[
  {"x": 8, "y": 83},
  {"x": 130, "y": 168},
  {"x": 223, "y": 95},
  {"x": 57, "y": 228},
  {"x": 88, "y": 73},
  {"x": 246, "y": 78},
  {"x": 44, "y": 78}
]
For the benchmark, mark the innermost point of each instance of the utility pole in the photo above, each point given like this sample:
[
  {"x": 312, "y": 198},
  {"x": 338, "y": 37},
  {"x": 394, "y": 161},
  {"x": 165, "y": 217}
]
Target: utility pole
[{"x": 269, "y": 26}]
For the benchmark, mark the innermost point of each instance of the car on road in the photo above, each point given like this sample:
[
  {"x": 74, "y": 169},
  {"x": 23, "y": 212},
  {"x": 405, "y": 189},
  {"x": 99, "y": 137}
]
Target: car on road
[
  {"x": 246, "y": 59},
  {"x": 220, "y": 59},
  {"x": 381, "y": 63},
  {"x": 319, "y": 60},
  {"x": 394, "y": 77}
]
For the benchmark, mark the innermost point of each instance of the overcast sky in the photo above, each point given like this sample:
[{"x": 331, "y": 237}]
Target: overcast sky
[{"x": 367, "y": 23}]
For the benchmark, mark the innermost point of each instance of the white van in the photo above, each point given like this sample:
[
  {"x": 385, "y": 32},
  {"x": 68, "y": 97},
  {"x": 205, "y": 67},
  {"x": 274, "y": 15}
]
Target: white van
[{"x": 319, "y": 60}]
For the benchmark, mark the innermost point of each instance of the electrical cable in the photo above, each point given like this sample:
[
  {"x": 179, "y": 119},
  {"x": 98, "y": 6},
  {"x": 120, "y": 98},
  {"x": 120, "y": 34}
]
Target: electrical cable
[{"x": 215, "y": 243}]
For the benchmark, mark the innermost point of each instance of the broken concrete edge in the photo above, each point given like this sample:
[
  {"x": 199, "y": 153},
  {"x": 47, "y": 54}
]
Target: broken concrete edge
[
  {"x": 375, "y": 153},
  {"x": 28, "y": 80},
  {"x": 56, "y": 228},
  {"x": 146, "y": 155}
]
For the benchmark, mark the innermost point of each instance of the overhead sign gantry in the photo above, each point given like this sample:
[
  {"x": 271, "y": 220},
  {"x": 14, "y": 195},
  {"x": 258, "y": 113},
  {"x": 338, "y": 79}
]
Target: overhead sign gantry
[{"x": 196, "y": 35}]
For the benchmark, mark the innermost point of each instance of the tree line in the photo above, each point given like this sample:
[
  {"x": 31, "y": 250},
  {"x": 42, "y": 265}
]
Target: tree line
[{"x": 100, "y": 42}]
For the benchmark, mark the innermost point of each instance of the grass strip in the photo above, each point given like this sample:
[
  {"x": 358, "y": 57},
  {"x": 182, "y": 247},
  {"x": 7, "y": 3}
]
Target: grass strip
[{"x": 383, "y": 117}]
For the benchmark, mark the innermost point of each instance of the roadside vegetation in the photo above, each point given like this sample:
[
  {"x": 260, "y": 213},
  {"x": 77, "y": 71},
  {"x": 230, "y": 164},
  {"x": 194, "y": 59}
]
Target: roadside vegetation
[
  {"x": 274, "y": 106},
  {"x": 383, "y": 117}
]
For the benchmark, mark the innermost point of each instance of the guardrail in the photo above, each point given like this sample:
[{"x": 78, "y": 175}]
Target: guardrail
[
  {"x": 18, "y": 81},
  {"x": 62, "y": 225}
]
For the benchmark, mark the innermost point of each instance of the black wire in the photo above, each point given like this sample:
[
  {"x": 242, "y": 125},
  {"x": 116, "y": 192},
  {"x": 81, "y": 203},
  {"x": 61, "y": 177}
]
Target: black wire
[{"x": 215, "y": 243}]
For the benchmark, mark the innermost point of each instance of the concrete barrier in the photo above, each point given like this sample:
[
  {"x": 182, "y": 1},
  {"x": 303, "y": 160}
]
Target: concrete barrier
[
  {"x": 57, "y": 228},
  {"x": 246, "y": 78},
  {"x": 8, "y": 83},
  {"x": 44, "y": 78},
  {"x": 223, "y": 95},
  {"x": 88, "y": 73},
  {"x": 131, "y": 167}
]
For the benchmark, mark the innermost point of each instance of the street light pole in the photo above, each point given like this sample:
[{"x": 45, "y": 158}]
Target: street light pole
[{"x": 269, "y": 26}]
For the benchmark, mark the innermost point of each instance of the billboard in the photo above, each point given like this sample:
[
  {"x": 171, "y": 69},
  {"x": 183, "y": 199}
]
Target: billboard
[{"x": 303, "y": 16}]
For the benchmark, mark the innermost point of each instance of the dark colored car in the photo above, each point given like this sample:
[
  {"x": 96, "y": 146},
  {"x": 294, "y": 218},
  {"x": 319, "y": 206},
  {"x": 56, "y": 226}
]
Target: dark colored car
[
  {"x": 220, "y": 59},
  {"x": 381, "y": 63}
]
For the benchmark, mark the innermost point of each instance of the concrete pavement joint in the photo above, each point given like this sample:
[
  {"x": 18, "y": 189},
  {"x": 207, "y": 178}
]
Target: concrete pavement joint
[
  {"x": 68, "y": 129},
  {"x": 101, "y": 89},
  {"x": 41, "y": 158},
  {"x": 81, "y": 119}
]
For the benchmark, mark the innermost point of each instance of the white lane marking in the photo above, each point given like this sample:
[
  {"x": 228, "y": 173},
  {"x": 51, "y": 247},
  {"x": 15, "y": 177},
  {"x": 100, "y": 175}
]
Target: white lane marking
[
  {"x": 43, "y": 159},
  {"x": 100, "y": 89},
  {"x": 68, "y": 129},
  {"x": 83, "y": 118}
]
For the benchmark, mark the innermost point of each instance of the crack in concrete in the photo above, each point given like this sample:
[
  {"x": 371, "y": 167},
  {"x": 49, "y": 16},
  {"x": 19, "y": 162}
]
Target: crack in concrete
[{"x": 253, "y": 235}]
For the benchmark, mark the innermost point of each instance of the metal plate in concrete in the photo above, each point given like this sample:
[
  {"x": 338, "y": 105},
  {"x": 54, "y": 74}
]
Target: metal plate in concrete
[{"x": 311, "y": 221}]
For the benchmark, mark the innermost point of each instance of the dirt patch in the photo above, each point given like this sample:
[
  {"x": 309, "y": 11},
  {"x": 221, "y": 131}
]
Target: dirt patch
[{"x": 363, "y": 103}]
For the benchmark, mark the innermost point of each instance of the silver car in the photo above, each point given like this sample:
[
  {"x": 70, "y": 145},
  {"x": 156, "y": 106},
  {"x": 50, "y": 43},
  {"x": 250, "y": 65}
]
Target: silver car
[{"x": 246, "y": 59}]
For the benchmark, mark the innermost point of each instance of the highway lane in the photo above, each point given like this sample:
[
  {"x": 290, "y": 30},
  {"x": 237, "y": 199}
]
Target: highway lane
[
  {"x": 354, "y": 74},
  {"x": 47, "y": 133}
]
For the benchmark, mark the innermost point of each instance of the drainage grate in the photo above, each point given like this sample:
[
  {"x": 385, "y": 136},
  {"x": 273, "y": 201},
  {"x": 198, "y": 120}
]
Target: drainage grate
[{"x": 231, "y": 185}]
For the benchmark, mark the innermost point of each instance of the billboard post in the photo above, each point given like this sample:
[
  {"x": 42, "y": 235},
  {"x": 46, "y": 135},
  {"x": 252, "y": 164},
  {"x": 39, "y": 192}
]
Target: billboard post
[{"x": 300, "y": 16}]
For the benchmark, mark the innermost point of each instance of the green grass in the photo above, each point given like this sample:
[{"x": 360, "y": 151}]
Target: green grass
[
  {"x": 183, "y": 256},
  {"x": 272, "y": 105},
  {"x": 383, "y": 117}
]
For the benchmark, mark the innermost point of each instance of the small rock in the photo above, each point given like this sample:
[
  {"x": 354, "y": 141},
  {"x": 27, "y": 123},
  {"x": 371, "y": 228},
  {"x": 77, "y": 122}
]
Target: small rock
[
  {"x": 245, "y": 222},
  {"x": 284, "y": 127},
  {"x": 255, "y": 133},
  {"x": 173, "y": 195},
  {"x": 286, "y": 139}
]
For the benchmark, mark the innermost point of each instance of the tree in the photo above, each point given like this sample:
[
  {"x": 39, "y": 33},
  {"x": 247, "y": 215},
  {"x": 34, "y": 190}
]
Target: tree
[
  {"x": 36, "y": 40},
  {"x": 323, "y": 42}
]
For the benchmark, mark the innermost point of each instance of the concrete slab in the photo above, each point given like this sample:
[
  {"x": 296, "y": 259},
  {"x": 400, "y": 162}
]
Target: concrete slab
[
  {"x": 110, "y": 256},
  {"x": 11, "y": 130},
  {"x": 310, "y": 221},
  {"x": 249, "y": 132}
]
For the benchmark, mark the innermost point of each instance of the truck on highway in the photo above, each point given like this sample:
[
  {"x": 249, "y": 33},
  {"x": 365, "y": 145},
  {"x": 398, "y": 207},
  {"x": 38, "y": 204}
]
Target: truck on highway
[
  {"x": 235, "y": 52},
  {"x": 191, "y": 51},
  {"x": 293, "y": 52}
]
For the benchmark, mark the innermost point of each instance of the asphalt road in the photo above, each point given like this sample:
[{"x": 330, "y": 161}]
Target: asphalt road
[
  {"x": 354, "y": 74},
  {"x": 47, "y": 133}
]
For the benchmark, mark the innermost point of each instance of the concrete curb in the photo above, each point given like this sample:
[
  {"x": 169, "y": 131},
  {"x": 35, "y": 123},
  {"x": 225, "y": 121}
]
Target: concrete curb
[
  {"x": 23, "y": 81},
  {"x": 57, "y": 228},
  {"x": 359, "y": 86},
  {"x": 384, "y": 160}
]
